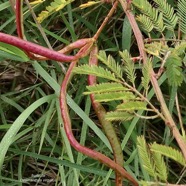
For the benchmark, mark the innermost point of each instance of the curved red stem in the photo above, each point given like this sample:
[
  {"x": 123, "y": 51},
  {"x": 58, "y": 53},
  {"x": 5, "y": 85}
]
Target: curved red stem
[{"x": 86, "y": 151}]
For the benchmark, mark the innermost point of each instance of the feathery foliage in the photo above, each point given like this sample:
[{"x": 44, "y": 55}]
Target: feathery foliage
[
  {"x": 111, "y": 96},
  {"x": 160, "y": 17},
  {"x": 110, "y": 63},
  {"x": 173, "y": 70},
  {"x": 145, "y": 156},
  {"x": 132, "y": 106},
  {"x": 160, "y": 165},
  {"x": 96, "y": 71},
  {"x": 182, "y": 15},
  {"x": 169, "y": 152},
  {"x": 153, "y": 161},
  {"x": 54, "y": 6},
  {"x": 169, "y": 17},
  {"x": 119, "y": 116},
  {"x": 105, "y": 87},
  {"x": 117, "y": 89},
  {"x": 129, "y": 66},
  {"x": 145, "y": 22},
  {"x": 146, "y": 69},
  {"x": 152, "y": 13}
]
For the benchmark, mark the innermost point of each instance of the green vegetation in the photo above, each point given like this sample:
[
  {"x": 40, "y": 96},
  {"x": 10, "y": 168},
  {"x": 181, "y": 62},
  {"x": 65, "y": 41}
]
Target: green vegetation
[{"x": 131, "y": 108}]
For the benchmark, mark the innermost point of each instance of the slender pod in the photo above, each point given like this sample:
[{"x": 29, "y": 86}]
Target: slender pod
[
  {"x": 68, "y": 129},
  {"x": 107, "y": 125}
]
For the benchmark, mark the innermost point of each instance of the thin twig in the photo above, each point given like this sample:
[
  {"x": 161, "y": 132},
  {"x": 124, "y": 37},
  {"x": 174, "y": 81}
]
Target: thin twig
[{"x": 112, "y": 10}]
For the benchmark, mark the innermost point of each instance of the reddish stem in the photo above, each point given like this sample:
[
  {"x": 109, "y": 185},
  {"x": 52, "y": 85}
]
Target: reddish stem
[
  {"x": 75, "y": 45},
  {"x": 86, "y": 151},
  {"x": 106, "y": 20},
  {"x": 19, "y": 19},
  {"x": 36, "y": 49}
]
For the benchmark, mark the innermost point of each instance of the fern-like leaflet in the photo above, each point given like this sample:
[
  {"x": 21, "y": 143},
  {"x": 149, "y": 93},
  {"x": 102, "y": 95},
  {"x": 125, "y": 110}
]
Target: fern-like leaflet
[
  {"x": 169, "y": 17},
  {"x": 160, "y": 166},
  {"x": 145, "y": 22},
  {"x": 173, "y": 64},
  {"x": 132, "y": 106},
  {"x": 113, "y": 96},
  {"x": 105, "y": 87},
  {"x": 182, "y": 15},
  {"x": 129, "y": 66},
  {"x": 96, "y": 71},
  {"x": 119, "y": 116},
  {"x": 110, "y": 63},
  {"x": 169, "y": 152},
  {"x": 54, "y": 6},
  {"x": 146, "y": 75},
  {"x": 152, "y": 13},
  {"x": 116, "y": 89},
  {"x": 146, "y": 158}
]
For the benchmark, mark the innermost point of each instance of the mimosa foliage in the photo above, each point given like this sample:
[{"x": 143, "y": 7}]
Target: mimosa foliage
[
  {"x": 153, "y": 161},
  {"x": 116, "y": 89},
  {"x": 160, "y": 15},
  {"x": 54, "y": 6}
]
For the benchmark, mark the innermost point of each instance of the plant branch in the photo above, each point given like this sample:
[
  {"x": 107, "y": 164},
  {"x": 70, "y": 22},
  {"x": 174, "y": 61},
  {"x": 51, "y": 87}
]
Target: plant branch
[
  {"x": 67, "y": 125},
  {"x": 106, "y": 20},
  {"x": 169, "y": 120},
  {"x": 37, "y": 49}
]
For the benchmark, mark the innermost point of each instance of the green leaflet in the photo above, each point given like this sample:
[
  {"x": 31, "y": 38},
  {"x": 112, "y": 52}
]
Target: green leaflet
[
  {"x": 145, "y": 156},
  {"x": 145, "y": 22},
  {"x": 111, "y": 96},
  {"x": 160, "y": 166},
  {"x": 96, "y": 71},
  {"x": 181, "y": 15},
  {"x": 54, "y": 6},
  {"x": 169, "y": 17},
  {"x": 132, "y": 105},
  {"x": 169, "y": 152},
  {"x": 110, "y": 63},
  {"x": 152, "y": 160},
  {"x": 174, "y": 70},
  {"x": 129, "y": 66},
  {"x": 179, "y": 50},
  {"x": 146, "y": 69},
  {"x": 105, "y": 87},
  {"x": 152, "y": 13},
  {"x": 118, "y": 116}
]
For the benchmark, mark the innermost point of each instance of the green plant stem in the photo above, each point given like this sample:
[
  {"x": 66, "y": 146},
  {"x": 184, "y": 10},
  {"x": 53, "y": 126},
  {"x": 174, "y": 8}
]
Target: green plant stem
[
  {"x": 169, "y": 120},
  {"x": 107, "y": 125},
  {"x": 86, "y": 151}
]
